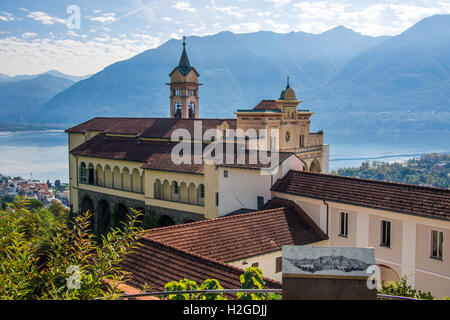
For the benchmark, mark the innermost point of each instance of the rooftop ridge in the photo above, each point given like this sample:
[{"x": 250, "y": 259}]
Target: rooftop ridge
[
  {"x": 300, "y": 211},
  {"x": 367, "y": 180},
  {"x": 178, "y": 226},
  {"x": 209, "y": 259}
]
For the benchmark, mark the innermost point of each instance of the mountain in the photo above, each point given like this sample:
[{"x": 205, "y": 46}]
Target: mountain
[
  {"x": 5, "y": 78},
  {"x": 238, "y": 70},
  {"x": 407, "y": 76},
  {"x": 21, "y": 98}
]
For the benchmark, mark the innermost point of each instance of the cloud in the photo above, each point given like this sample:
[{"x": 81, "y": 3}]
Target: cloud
[
  {"x": 279, "y": 3},
  {"x": 69, "y": 55},
  {"x": 106, "y": 17},
  {"x": 29, "y": 35},
  {"x": 372, "y": 19},
  {"x": 245, "y": 27},
  {"x": 6, "y": 16},
  {"x": 45, "y": 18},
  {"x": 184, "y": 6}
]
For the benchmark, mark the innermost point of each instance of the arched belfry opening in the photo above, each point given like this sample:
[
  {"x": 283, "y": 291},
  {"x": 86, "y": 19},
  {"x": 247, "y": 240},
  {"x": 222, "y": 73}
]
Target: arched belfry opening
[{"x": 184, "y": 92}]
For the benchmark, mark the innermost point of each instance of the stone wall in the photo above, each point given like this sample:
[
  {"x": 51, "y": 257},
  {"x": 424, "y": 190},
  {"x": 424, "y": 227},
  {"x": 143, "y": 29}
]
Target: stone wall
[{"x": 162, "y": 216}]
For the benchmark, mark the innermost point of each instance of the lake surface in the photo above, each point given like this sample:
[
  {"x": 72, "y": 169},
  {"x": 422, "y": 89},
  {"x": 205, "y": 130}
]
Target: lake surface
[{"x": 44, "y": 153}]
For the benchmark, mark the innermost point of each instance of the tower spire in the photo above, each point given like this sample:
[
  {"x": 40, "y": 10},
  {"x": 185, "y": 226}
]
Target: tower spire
[
  {"x": 287, "y": 83},
  {"x": 184, "y": 60}
]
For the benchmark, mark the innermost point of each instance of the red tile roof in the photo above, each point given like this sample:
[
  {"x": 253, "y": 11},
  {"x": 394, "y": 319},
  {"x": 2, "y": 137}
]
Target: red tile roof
[
  {"x": 240, "y": 236},
  {"x": 266, "y": 105},
  {"x": 155, "y": 155},
  {"x": 155, "y": 264},
  {"x": 147, "y": 127},
  {"x": 404, "y": 198}
]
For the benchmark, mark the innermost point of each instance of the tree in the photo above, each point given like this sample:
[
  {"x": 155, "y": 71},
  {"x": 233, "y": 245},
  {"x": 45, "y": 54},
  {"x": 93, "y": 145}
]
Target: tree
[
  {"x": 77, "y": 266},
  {"x": 58, "y": 184},
  {"x": 252, "y": 278},
  {"x": 402, "y": 289}
]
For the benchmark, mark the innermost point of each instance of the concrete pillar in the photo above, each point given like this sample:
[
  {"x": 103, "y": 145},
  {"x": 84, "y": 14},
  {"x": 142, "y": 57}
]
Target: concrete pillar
[{"x": 409, "y": 251}]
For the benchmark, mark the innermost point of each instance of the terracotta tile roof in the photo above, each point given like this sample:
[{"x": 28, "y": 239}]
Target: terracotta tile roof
[
  {"x": 155, "y": 155},
  {"x": 147, "y": 127},
  {"x": 155, "y": 264},
  {"x": 404, "y": 198},
  {"x": 240, "y": 236},
  {"x": 266, "y": 105}
]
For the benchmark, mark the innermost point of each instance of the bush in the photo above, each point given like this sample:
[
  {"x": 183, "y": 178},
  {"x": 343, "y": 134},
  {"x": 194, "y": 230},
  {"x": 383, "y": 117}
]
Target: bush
[
  {"x": 77, "y": 265},
  {"x": 402, "y": 289}
]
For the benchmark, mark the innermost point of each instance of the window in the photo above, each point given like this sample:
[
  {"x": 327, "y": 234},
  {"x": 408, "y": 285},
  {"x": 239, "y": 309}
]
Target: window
[
  {"x": 191, "y": 92},
  {"x": 225, "y": 173},
  {"x": 260, "y": 202},
  {"x": 217, "y": 199},
  {"x": 202, "y": 191},
  {"x": 278, "y": 264},
  {"x": 83, "y": 173},
  {"x": 385, "y": 233},
  {"x": 343, "y": 231},
  {"x": 301, "y": 140},
  {"x": 175, "y": 188},
  {"x": 288, "y": 136},
  {"x": 178, "y": 92},
  {"x": 437, "y": 239}
]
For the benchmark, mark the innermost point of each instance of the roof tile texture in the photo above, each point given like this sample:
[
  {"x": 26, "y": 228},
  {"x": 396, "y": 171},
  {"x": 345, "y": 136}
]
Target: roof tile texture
[
  {"x": 240, "y": 236},
  {"x": 411, "y": 199}
]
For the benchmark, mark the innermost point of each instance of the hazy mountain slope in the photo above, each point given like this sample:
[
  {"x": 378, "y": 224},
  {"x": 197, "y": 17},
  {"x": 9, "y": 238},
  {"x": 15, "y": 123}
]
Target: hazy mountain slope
[
  {"x": 5, "y": 78},
  {"x": 238, "y": 70},
  {"x": 20, "y": 98},
  {"x": 411, "y": 70}
]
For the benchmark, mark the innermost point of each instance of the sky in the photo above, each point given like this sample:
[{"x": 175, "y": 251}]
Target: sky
[{"x": 83, "y": 37}]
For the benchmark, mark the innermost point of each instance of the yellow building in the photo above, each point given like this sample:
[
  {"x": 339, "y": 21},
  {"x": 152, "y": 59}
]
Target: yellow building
[{"x": 121, "y": 163}]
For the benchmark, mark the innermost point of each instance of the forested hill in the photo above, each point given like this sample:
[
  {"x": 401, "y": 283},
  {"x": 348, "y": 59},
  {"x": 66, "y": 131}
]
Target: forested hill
[{"x": 430, "y": 169}]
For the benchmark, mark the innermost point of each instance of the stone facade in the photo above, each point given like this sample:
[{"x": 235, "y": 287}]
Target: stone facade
[{"x": 109, "y": 210}]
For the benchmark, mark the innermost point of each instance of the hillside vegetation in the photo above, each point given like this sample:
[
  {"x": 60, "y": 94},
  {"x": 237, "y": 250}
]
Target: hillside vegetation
[{"x": 430, "y": 169}]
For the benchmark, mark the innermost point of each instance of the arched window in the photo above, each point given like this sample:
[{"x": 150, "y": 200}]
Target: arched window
[
  {"x": 177, "y": 109},
  {"x": 301, "y": 140},
  {"x": 191, "y": 109},
  {"x": 83, "y": 173}
]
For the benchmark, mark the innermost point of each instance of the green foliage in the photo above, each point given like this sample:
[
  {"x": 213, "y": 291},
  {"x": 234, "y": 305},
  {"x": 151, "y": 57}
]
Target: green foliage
[
  {"x": 402, "y": 289},
  {"x": 70, "y": 246},
  {"x": 211, "y": 284},
  {"x": 33, "y": 204},
  {"x": 252, "y": 278},
  {"x": 182, "y": 285},
  {"x": 430, "y": 169}
]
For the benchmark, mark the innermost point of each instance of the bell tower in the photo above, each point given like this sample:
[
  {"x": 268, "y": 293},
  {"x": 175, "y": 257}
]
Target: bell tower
[{"x": 184, "y": 89}]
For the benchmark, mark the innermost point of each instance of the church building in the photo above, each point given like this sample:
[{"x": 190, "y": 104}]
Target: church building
[{"x": 121, "y": 163}]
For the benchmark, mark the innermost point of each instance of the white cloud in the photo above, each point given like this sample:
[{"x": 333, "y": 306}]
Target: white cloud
[
  {"x": 45, "y": 18},
  {"x": 106, "y": 17},
  {"x": 372, "y": 19},
  {"x": 69, "y": 55},
  {"x": 166, "y": 19},
  {"x": 184, "y": 6},
  {"x": 279, "y": 3},
  {"x": 6, "y": 16},
  {"x": 29, "y": 35},
  {"x": 245, "y": 27}
]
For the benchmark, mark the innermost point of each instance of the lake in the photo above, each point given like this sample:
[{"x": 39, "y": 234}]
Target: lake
[{"x": 43, "y": 154}]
